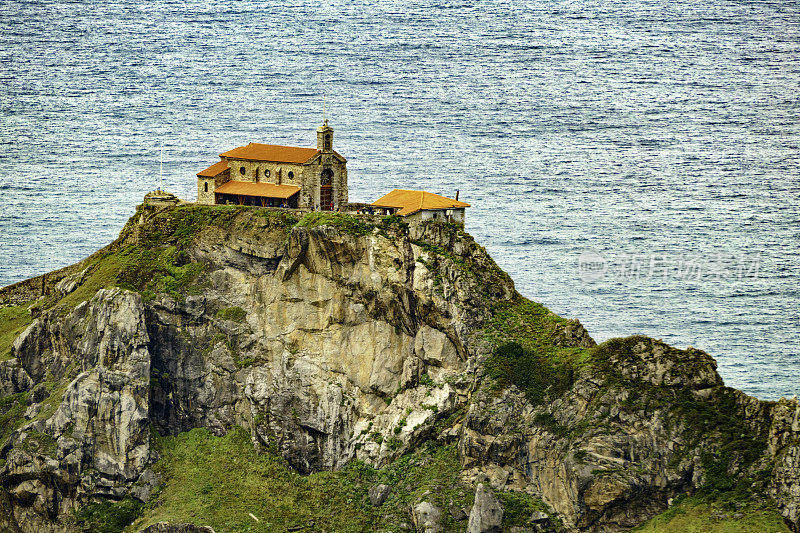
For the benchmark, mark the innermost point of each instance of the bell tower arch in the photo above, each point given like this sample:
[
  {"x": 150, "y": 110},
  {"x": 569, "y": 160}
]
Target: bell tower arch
[{"x": 325, "y": 138}]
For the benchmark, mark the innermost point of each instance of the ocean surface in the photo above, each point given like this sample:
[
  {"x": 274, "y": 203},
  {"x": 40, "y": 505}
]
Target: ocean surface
[{"x": 635, "y": 165}]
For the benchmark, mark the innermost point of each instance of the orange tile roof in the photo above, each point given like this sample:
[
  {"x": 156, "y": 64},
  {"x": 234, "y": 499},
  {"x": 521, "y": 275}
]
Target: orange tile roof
[
  {"x": 248, "y": 188},
  {"x": 271, "y": 152},
  {"x": 409, "y": 202},
  {"x": 214, "y": 170}
]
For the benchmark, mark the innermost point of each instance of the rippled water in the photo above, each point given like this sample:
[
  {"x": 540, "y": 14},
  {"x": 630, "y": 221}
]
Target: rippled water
[{"x": 659, "y": 141}]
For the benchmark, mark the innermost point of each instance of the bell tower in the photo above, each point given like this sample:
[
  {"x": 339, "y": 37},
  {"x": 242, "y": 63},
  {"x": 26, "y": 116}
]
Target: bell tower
[{"x": 325, "y": 138}]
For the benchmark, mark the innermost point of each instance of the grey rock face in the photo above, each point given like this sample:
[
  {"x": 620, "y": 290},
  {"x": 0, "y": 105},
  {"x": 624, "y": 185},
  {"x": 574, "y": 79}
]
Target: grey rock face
[
  {"x": 783, "y": 446},
  {"x": 648, "y": 459},
  {"x": 457, "y": 513},
  {"x": 69, "y": 283},
  {"x": 427, "y": 518},
  {"x": 486, "y": 515},
  {"x": 91, "y": 434},
  {"x": 378, "y": 494}
]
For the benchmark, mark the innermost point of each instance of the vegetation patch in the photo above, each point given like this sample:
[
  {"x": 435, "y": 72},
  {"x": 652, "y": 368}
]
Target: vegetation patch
[
  {"x": 436, "y": 250},
  {"x": 12, "y": 409},
  {"x": 40, "y": 443},
  {"x": 549, "y": 422},
  {"x": 220, "y": 481},
  {"x": 284, "y": 219},
  {"x": 534, "y": 371},
  {"x": 13, "y": 321},
  {"x": 101, "y": 274},
  {"x": 157, "y": 270},
  {"x": 235, "y": 314},
  {"x": 696, "y": 515},
  {"x": 518, "y": 508},
  {"x": 525, "y": 322},
  {"x": 351, "y": 224},
  {"x": 429, "y": 472},
  {"x": 392, "y": 222},
  {"x": 524, "y": 355},
  {"x": 239, "y": 361},
  {"x": 107, "y": 516},
  {"x": 183, "y": 222}
]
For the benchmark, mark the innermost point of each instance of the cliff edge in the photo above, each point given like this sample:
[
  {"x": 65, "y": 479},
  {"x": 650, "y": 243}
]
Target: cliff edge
[{"x": 334, "y": 343}]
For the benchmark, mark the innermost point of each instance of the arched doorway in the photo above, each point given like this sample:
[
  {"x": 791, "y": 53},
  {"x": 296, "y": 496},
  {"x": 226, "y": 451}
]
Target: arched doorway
[{"x": 326, "y": 190}]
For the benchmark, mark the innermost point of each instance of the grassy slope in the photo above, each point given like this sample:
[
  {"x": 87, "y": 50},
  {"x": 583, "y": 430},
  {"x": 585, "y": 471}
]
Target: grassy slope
[
  {"x": 694, "y": 515},
  {"x": 220, "y": 481},
  {"x": 13, "y": 321}
]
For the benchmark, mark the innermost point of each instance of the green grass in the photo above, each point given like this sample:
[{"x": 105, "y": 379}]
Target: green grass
[
  {"x": 428, "y": 469},
  {"x": 12, "y": 409},
  {"x": 106, "y": 516},
  {"x": 235, "y": 314},
  {"x": 219, "y": 481},
  {"x": 42, "y": 443},
  {"x": 693, "y": 515},
  {"x": 182, "y": 223},
  {"x": 351, "y": 224},
  {"x": 285, "y": 219},
  {"x": 524, "y": 322},
  {"x": 157, "y": 270},
  {"x": 144, "y": 269},
  {"x": 524, "y": 354},
  {"x": 518, "y": 508},
  {"x": 536, "y": 373},
  {"x": 13, "y": 321},
  {"x": 102, "y": 274}
]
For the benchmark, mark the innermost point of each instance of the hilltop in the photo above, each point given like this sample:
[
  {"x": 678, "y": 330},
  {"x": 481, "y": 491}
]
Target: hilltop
[{"x": 254, "y": 370}]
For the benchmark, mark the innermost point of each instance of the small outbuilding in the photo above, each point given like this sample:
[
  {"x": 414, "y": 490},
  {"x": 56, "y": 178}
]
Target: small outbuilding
[{"x": 421, "y": 205}]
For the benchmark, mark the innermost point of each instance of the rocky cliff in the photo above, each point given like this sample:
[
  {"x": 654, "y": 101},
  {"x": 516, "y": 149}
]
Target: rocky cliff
[{"x": 336, "y": 338}]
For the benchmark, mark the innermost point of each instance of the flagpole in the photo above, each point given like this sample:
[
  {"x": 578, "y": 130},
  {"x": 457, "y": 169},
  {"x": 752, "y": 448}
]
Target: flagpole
[{"x": 161, "y": 174}]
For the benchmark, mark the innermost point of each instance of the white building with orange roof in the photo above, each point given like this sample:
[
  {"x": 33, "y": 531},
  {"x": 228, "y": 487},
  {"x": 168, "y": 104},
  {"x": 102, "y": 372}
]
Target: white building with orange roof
[
  {"x": 269, "y": 175},
  {"x": 421, "y": 205}
]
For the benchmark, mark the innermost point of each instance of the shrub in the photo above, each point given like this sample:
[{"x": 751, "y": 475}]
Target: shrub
[
  {"x": 107, "y": 516},
  {"x": 533, "y": 372},
  {"x": 235, "y": 314}
]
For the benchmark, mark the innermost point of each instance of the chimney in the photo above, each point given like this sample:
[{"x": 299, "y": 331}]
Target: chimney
[{"x": 457, "y": 191}]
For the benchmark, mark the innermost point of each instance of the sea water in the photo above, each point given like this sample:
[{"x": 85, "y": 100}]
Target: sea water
[{"x": 631, "y": 164}]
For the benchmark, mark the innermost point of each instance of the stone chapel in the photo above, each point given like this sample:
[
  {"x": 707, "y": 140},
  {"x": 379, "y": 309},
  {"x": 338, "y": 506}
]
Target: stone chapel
[{"x": 269, "y": 175}]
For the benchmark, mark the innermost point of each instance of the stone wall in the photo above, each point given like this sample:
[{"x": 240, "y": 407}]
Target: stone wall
[
  {"x": 309, "y": 196},
  {"x": 254, "y": 172},
  {"x": 203, "y": 196},
  {"x": 207, "y": 197},
  {"x": 437, "y": 214}
]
